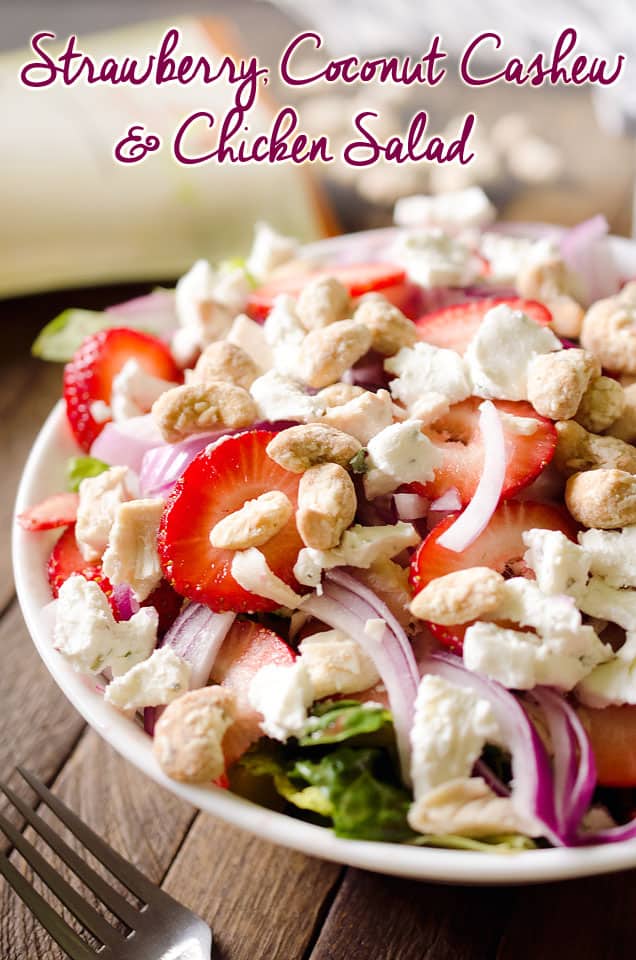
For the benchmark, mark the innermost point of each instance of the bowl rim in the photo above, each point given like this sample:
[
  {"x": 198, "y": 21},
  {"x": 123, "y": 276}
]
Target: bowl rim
[{"x": 52, "y": 446}]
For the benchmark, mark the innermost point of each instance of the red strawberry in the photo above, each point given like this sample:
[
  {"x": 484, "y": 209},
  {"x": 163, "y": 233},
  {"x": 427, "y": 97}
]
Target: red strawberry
[
  {"x": 458, "y": 437},
  {"x": 358, "y": 278},
  {"x": 218, "y": 482},
  {"x": 56, "y": 511},
  {"x": 66, "y": 559},
  {"x": 247, "y": 647},
  {"x": 612, "y": 731},
  {"x": 89, "y": 375},
  {"x": 499, "y": 547},
  {"x": 455, "y": 326}
]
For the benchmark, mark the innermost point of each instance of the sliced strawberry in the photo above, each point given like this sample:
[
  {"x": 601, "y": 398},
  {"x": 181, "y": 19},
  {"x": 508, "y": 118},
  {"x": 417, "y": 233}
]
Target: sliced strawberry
[
  {"x": 358, "y": 278},
  {"x": 89, "y": 375},
  {"x": 66, "y": 560},
  {"x": 612, "y": 731},
  {"x": 407, "y": 297},
  {"x": 218, "y": 482},
  {"x": 499, "y": 547},
  {"x": 455, "y": 326},
  {"x": 247, "y": 647},
  {"x": 458, "y": 437},
  {"x": 58, "y": 510}
]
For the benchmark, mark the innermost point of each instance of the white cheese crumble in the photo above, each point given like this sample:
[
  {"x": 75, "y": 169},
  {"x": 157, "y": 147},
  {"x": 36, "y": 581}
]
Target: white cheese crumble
[
  {"x": 100, "y": 411},
  {"x": 359, "y": 547},
  {"x": 560, "y": 654},
  {"x": 612, "y": 555},
  {"x": 134, "y": 391},
  {"x": 399, "y": 454},
  {"x": 250, "y": 337},
  {"x": 608, "y": 603},
  {"x": 281, "y": 398},
  {"x": 363, "y": 416},
  {"x": 282, "y": 695},
  {"x": 206, "y": 300},
  {"x": 154, "y": 682},
  {"x": 285, "y": 334},
  {"x": 269, "y": 250},
  {"x": 251, "y": 571},
  {"x": 559, "y": 565},
  {"x": 99, "y": 499},
  {"x": 501, "y": 350},
  {"x": 88, "y": 635},
  {"x": 425, "y": 369},
  {"x": 508, "y": 255},
  {"x": 433, "y": 258},
  {"x": 450, "y": 729},
  {"x": 453, "y": 211},
  {"x": 336, "y": 663},
  {"x": 613, "y": 682}
]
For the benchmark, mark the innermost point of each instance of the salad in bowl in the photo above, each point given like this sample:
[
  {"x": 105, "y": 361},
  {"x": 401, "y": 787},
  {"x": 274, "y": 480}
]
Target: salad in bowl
[{"x": 348, "y": 530}]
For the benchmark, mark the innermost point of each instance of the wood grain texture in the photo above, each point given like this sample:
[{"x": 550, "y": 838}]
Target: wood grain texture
[
  {"x": 263, "y": 902},
  {"x": 38, "y": 725},
  {"x": 391, "y": 919},
  {"x": 586, "y": 919}
]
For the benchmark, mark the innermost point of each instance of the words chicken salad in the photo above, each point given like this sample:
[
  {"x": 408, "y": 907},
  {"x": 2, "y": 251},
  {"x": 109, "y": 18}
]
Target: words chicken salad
[{"x": 355, "y": 539}]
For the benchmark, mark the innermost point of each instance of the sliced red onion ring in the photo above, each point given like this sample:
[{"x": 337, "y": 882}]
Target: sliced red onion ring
[
  {"x": 126, "y": 606},
  {"x": 476, "y": 516},
  {"x": 346, "y": 604},
  {"x": 162, "y": 465},
  {"x": 410, "y": 506},
  {"x": 196, "y": 636},
  {"x": 124, "y": 444},
  {"x": 587, "y": 253},
  {"x": 532, "y": 783},
  {"x": 573, "y": 762},
  {"x": 448, "y": 502},
  {"x": 155, "y": 312},
  {"x": 481, "y": 769}
]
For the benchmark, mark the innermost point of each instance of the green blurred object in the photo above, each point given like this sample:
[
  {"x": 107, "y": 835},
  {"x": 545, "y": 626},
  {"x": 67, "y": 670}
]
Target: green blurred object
[
  {"x": 60, "y": 338},
  {"x": 79, "y": 468}
]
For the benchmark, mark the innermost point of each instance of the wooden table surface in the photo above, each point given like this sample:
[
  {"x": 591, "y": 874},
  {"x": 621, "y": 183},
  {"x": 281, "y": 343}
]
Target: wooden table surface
[{"x": 263, "y": 902}]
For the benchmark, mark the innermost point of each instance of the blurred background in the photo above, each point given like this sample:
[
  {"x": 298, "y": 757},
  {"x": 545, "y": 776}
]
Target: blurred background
[{"x": 72, "y": 218}]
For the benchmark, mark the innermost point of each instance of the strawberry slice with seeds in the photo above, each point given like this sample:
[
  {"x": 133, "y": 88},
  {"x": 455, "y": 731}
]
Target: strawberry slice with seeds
[
  {"x": 455, "y": 326},
  {"x": 59, "y": 510},
  {"x": 358, "y": 278},
  {"x": 89, "y": 376},
  {"x": 500, "y": 546},
  {"x": 459, "y": 440},
  {"x": 247, "y": 647},
  {"x": 66, "y": 559},
  {"x": 218, "y": 482}
]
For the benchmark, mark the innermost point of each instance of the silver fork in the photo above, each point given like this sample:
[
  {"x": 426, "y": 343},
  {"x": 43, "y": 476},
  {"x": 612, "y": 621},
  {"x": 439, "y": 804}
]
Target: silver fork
[{"x": 161, "y": 929}]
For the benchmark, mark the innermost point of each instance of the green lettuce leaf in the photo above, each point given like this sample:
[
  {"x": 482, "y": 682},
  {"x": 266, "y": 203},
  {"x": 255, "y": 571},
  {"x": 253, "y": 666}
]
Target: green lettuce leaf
[
  {"x": 78, "y": 468},
  {"x": 358, "y": 462},
  {"x": 60, "y": 338},
  {"x": 365, "y": 799},
  {"x": 506, "y": 843},
  {"x": 336, "y": 720}
]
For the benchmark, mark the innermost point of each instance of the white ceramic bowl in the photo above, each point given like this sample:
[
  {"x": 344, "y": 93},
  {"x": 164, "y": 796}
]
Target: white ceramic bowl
[{"x": 43, "y": 475}]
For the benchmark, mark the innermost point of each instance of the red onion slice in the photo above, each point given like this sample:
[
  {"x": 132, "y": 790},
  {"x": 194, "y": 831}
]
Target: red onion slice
[
  {"x": 124, "y": 602},
  {"x": 196, "y": 636},
  {"x": 532, "y": 783},
  {"x": 155, "y": 312},
  {"x": 476, "y": 516},
  {"x": 449, "y": 502},
  {"x": 347, "y": 605},
  {"x": 410, "y": 506},
  {"x": 124, "y": 444},
  {"x": 163, "y": 464},
  {"x": 587, "y": 253},
  {"x": 574, "y": 765}
]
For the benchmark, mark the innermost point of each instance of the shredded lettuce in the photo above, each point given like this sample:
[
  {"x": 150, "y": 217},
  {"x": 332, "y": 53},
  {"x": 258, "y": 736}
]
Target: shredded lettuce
[
  {"x": 357, "y": 789},
  {"x": 60, "y": 338},
  {"x": 78, "y": 468},
  {"x": 336, "y": 720},
  {"x": 506, "y": 843}
]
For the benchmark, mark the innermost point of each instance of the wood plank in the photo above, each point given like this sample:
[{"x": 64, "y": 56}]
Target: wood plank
[
  {"x": 587, "y": 919},
  {"x": 142, "y": 821},
  {"x": 388, "y": 918},
  {"x": 39, "y": 726},
  {"x": 261, "y": 901}
]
